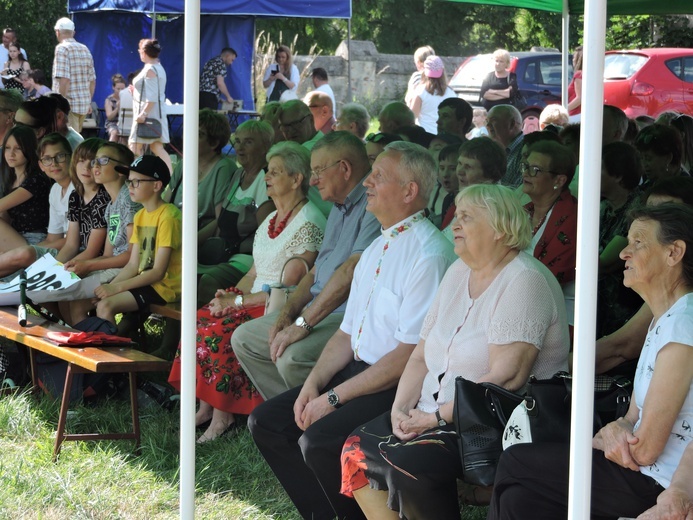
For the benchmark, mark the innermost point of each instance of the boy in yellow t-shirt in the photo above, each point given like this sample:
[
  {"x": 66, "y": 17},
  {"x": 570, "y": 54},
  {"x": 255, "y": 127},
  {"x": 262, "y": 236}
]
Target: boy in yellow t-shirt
[{"x": 153, "y": 273}]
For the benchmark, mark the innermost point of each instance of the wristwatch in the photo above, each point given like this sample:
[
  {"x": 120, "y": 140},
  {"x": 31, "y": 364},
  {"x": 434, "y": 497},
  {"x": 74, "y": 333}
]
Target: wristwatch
[
  {"x": 238, "y": 301},
  {"x": 333, "y": 398},
  {"x": 441, "y": 421},
  {"x": 301, "y": 322}
]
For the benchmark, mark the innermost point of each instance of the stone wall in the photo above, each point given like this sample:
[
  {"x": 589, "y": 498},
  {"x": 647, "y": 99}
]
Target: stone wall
[{"x": 375, "y": 78}]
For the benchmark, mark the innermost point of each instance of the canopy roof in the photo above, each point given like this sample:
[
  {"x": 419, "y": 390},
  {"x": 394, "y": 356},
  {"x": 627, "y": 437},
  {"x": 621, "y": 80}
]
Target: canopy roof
[
  {"x": 577, "y": 7},
  {"x": 294, "y": 8}
]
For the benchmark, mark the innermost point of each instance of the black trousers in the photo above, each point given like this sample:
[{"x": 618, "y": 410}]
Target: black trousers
[
  {"x": 308, "y": 463},
  {"x": 532, "y": 483},
  {"x": 208, "y": 100}
]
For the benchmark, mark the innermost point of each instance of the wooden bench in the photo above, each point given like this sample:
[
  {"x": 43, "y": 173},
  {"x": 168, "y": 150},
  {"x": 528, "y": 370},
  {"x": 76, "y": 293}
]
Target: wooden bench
[
  {"x": 170, "y": 310},
  {"x": 81, "y": 360}
]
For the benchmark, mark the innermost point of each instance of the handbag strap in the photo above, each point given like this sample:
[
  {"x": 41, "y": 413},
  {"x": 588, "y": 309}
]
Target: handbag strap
[
  {"x": 158, "y": 91},
  {"x": 305, "y": 264}
]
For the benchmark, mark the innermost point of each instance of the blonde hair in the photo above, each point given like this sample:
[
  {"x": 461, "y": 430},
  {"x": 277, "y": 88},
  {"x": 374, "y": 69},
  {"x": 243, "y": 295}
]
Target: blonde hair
[
  {"x": 289, "y": 59},
  {"x": 424, "y": 52},
  {"x": 506, "y": 216},
  {"x": 502, "y": 54}
]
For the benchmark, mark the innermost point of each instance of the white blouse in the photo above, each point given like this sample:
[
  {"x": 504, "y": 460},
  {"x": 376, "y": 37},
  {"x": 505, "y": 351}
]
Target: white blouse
[{"x": 524, "y": 303}]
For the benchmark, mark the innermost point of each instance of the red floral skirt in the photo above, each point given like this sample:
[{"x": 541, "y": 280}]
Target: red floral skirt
[{"x": 221, "y": 381}]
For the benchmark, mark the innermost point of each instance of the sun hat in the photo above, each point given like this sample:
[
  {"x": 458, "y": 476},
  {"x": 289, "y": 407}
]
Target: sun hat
[{"x": 433, "y": 67}]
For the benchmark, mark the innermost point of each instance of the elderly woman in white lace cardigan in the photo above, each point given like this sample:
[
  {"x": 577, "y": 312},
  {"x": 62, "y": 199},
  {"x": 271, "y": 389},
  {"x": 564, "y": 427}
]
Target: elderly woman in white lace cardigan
[{"x": 295, "y": 229}]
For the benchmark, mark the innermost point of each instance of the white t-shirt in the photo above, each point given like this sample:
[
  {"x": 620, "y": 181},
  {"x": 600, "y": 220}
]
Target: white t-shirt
[
  {"x": 57, "y": 203},
  {"x": 428, "y": 117},
  {"x": 674, "y": 326},
  {"x": 295, "y": 78},
  {"x": 328, "y": 90},
  {"x": 389, "y": 308}
]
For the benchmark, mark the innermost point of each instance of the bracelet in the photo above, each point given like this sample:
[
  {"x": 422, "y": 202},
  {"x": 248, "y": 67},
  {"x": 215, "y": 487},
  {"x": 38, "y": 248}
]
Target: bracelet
[{"x": 234, "y": 290}]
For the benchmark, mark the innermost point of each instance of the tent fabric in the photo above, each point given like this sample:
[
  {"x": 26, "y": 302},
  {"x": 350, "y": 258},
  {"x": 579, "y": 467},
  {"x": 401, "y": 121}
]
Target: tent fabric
[
  {"x": 577, "y": 7},
  {"x": 116, "y": 50},
  {"x": 294, "y": 8}
]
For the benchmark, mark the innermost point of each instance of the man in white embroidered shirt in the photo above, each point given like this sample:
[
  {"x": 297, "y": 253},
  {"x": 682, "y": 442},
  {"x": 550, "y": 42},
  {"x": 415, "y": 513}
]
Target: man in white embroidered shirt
[{"x": 301, "y": 432}]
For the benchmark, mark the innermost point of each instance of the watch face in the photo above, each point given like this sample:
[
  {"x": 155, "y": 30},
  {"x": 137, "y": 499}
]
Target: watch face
[
  {"x": 332, "y": 398},
  {"x": 300, "y": 321}
]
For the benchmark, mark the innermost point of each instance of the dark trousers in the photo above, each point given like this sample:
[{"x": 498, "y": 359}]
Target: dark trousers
[
  {"x": 308, "y": 463},
  {"x": 208, "y": 100},
  {"x": 532, "y": 483}
]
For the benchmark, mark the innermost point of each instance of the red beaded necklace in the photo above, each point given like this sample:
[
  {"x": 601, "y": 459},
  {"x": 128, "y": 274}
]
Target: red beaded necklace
[{"x": 275, "y": 232}]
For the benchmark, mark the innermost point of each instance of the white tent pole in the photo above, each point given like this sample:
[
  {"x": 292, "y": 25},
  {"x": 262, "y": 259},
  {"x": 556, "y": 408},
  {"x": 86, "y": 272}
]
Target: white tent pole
[
  {"x": 565, "y": 51},
  {"x": 191, "y": 94},
  {"x": 587, "y": 261}
]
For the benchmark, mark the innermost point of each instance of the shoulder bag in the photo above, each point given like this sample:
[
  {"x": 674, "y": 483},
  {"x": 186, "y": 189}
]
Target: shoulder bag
[{"x": 151, "y": 128}]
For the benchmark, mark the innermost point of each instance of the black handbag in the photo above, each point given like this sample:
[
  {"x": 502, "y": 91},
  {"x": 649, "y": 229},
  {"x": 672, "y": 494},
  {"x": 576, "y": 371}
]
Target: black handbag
[
  {"x": 544, "y": 414},
  {"x": 480, "y": 414}
]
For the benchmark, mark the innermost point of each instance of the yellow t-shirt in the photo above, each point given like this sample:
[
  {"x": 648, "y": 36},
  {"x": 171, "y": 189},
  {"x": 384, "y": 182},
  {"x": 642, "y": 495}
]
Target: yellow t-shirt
[{"x": 160, "y": 228}]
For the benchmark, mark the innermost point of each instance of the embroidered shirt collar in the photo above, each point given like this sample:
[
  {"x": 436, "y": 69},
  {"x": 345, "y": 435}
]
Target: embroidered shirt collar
[{"x": 403, "y": 225}]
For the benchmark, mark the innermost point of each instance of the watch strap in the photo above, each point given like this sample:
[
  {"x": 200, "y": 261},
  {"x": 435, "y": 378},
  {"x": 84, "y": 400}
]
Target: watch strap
[{"x": 441, "y": 421}]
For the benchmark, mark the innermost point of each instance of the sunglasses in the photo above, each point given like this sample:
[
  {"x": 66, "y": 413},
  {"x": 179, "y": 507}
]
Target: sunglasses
[{"x": 375, "y": 138}]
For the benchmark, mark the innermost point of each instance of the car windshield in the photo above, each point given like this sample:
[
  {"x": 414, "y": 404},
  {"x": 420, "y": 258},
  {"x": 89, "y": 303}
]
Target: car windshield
[
  {"x": 622, "y": 66},
  {"x": 474, "y": 71}
]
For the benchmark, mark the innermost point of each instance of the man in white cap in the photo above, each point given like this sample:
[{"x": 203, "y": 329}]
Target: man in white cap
[{"x": 73, "y": 72}]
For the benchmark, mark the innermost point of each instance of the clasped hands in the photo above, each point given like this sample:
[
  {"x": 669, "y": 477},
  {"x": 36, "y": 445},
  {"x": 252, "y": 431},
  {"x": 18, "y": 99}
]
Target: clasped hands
[
  {"x": 409, "y": 425},
  {"x": 617, "y": 440}
]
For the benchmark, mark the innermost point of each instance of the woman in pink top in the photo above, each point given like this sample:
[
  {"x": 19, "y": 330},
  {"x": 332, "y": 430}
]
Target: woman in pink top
[{"x": 575, "y": 87}]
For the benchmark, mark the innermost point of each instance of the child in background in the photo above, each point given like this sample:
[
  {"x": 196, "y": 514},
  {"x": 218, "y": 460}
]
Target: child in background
[
  {"x": 153, "y": 273},
  {"x": 25, "y": 188},
  {"x": 120, "y": 214},
  {"x": 479, "y": 120}
]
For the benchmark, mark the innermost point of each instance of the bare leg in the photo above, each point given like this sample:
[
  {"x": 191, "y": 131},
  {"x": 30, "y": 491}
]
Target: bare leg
[
  {"x": 16, "y": 259},
  {"x": 157, "y": 149},
  {"x": 220, "y": 423},
  {"x": 76, "y": 311},
  {"x": 9, "y": 238},
  {"x": 374, "y": 504},
  {"x": 204, "y": 413},
  {"x": 121, "y": 302},
  {"x": 136, "y": 148}
]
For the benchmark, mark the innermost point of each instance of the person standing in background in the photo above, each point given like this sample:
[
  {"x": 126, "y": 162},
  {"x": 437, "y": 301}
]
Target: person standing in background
[
  {"x": 74, "y": 76},
  {"x": 213, "y": 79},
  {"x": 9, "y": 35},
  {"x": 419, "y": 58},
  {"x": 320, "y": 82}
]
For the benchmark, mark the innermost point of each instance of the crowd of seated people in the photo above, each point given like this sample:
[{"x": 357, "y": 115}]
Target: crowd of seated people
[{"x": 415, "y": 254}]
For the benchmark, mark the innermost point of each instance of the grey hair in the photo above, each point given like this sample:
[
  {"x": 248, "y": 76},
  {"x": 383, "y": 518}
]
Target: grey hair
[
  {"x": 296, "y": 160},
  {"x": 416, "y": 161},
  {"x": 356, "y": 113}
]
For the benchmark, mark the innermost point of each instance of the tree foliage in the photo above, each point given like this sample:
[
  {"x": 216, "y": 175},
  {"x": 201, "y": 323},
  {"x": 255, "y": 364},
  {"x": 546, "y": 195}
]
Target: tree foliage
[{"x": 34, "y": 20}]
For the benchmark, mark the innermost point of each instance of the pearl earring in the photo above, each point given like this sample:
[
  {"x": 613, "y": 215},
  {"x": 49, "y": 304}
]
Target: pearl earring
[{"x": 555, "y": 187}]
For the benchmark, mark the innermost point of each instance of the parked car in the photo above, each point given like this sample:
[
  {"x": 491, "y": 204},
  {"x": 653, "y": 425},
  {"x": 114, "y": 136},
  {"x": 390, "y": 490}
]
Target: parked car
[
  {"x": 538, "y": 78},
  {"x": 649, "y": 81}
]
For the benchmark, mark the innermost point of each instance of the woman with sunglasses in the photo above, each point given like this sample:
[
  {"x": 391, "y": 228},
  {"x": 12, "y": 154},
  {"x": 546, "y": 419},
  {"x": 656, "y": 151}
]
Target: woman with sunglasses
[
  {"x": 25, "y": 190},
  {"x": 375, "y": 144},
  {"x": 546, "y": 177}
]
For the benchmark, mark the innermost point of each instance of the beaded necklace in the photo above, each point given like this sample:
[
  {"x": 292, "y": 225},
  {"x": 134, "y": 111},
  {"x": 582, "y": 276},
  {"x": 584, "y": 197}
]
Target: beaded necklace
[{"x": 275, "y": 232}]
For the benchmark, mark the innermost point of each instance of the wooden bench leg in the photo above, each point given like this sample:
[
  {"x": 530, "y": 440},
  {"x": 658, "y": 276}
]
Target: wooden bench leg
[
  {"x": 64, "y": 405},
  {"x": 135, "y": 411}
]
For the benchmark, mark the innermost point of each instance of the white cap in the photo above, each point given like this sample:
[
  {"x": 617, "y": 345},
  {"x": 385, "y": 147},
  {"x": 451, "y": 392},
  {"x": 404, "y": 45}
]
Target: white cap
[{"x": 64, "y": 24}]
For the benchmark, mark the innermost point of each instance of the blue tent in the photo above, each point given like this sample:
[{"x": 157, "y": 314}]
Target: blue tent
[{"x": 112, "y": 29}]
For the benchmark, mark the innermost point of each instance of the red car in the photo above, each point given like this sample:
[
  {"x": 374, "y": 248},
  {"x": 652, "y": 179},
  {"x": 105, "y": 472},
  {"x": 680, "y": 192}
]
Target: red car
[{"x": 649, "y": 81}]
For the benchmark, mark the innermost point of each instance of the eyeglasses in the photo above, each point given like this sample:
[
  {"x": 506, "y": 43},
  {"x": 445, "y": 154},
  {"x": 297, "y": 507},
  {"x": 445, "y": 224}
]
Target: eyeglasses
[
  {"x": 135, "y": 183},
  {"x": 533, "y": 171},
  {"x": 318, "y": 173},
  {"x": 294, "y": 124},
  {"x": 103, "y": 161},
  {"x": 375, "y": 138},
  {"x": 60, "y": 158}
]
